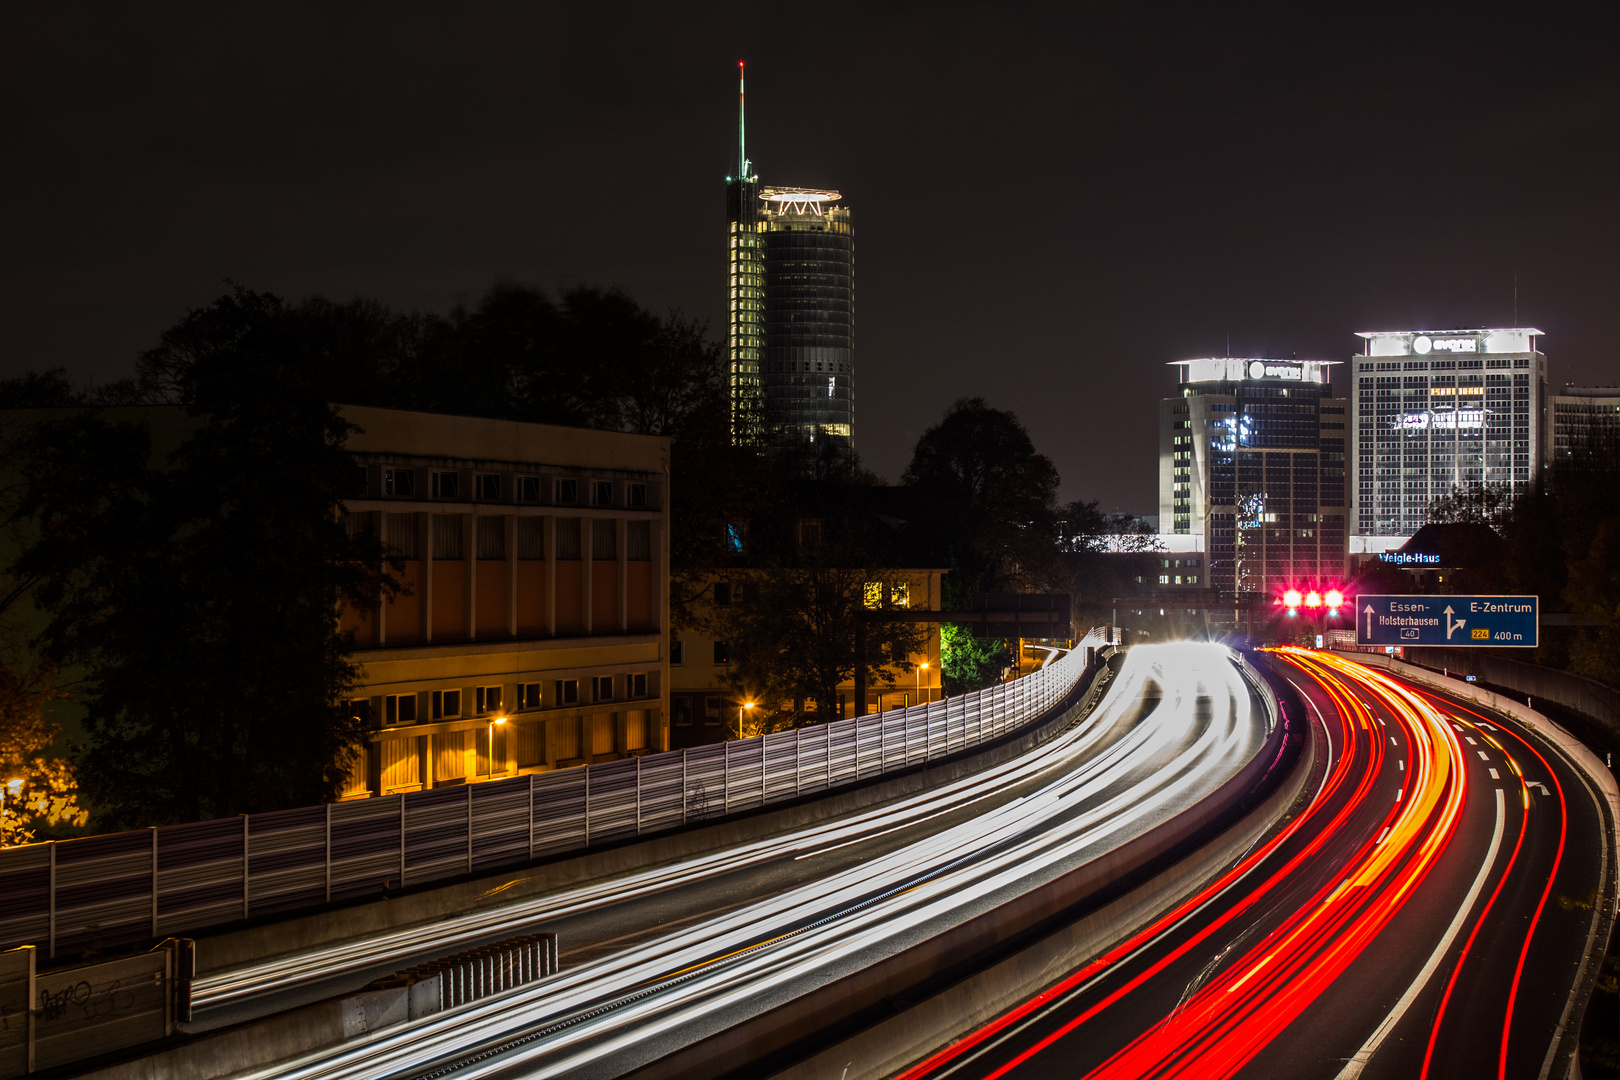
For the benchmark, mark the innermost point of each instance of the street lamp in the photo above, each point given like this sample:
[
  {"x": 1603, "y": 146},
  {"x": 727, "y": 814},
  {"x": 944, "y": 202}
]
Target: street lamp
[
  {"x": 12, "y": 786},
  {"x": 740, "y": 709},
  {"x": 922, "y": 667}
]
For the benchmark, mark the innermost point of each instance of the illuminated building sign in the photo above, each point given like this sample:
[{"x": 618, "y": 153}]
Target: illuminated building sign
[
  {"x": 1409, "y": 558},
  {"x": 1447, "y": 421},
  {"x": 1422, "y": 344},
  {"x": 1260, "y": 369}
]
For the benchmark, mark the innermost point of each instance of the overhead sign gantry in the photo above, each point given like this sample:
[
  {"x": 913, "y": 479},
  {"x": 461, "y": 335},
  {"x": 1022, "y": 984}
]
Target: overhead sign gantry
[{"x": 1500, "y": 621}]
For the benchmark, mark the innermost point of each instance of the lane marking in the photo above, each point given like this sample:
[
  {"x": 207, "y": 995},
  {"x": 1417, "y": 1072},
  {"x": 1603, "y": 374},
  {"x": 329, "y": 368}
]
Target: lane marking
[
  {"x": 1482, "y": 755},
  {"x": 1392, "y": 740},
  {"x": 1539, "y": 784},
  {"x": 1401, "y": 765},
  {"x": 1469, "y": 739},
  {"x": 1381, "y": 836},
  {"x": 1494, "y": 776},
  {"x": 1356, "y": 1064}
]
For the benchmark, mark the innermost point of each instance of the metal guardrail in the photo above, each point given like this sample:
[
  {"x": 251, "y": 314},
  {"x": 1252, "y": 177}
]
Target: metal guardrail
[{"x": 69, "y": 896}]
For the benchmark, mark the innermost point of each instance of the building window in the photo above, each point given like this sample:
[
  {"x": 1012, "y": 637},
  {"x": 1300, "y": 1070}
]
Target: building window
[
  {"x": 677, "y": 654},
  {"x": 529, "y": 695},
  {"x": 567, "y": 692},
  {"x": 360, "y": 709},
  {"x": 447, "y": 536},
  {"x": 602, "y": 688},
  {"x": 722, "y": 653},
  {"x": 809, "y": 536},
  {"x": 872, "y": 594},
  {"x": 604, "y": 539},
  {"x": 399, "y": 709},
  {"x": 531, "y": 538},
  {"x": 638, "y": 541},
  {"x": 683, "y": 711},
  {"x": 568, "y": 539},
  {"x": 446, "y": 485},
  {"x": 711, "y": 709},
  {"x": 446, "y": 703},
  {"x": 491, "y": 538},
  {"x": 489, "y": 487},
  {"x": 400, "y": 483},
  {"x": 486, "y": 699},
  {"x": 638, "y": 685},
  {"x": 736, "y": 538},
  {"x": 567, "y": 491},
  {"x": 362, "y": 481},
  {"x": 635, "y": 496},
  {"x": 602, "y": 493},
  {"x": 900, "y": 593},
  {"x": 528, "y": 489}
]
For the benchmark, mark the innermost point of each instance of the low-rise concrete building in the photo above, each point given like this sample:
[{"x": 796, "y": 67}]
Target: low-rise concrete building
[{"x": 530, "y": 634}]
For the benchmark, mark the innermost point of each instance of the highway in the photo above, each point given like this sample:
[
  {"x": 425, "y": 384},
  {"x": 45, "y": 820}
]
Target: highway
[
  {"x": 1425, "y": 914},
  {"x": 1178, "y": 722}
]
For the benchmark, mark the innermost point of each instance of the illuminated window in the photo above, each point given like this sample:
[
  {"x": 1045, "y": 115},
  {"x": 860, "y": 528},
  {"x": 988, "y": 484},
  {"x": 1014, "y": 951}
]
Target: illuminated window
[{"x": 900, "y": 592}]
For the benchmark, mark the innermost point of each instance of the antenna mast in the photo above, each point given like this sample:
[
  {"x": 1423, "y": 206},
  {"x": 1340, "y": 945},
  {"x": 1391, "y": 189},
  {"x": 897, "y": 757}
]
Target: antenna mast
[{"x": 742, "y": 142}]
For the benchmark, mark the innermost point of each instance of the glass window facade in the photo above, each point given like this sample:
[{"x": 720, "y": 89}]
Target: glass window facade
[
  {"x": 792, "y": 312},
  {"x": 1258, "y": 467},
  {"x": 1441, "y": 410}
]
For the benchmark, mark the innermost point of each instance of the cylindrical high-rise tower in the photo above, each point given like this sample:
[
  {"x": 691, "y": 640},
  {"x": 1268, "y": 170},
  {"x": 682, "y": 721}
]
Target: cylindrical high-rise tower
[{"x": 807, "y": 370}]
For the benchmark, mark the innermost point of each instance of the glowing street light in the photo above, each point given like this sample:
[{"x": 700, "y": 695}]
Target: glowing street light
[
  {"x": 745, "y": 706},
  {"x": 493, "y": 724},
  {"x": 922, "y": 667},
  {"x": 12, "y": 787}
]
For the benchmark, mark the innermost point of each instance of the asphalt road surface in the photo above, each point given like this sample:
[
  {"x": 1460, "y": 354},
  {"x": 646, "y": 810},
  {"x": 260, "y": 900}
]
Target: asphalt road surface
[
  {"x": 1178, "y": 722},
  {"x": 1426, "y": 914}
]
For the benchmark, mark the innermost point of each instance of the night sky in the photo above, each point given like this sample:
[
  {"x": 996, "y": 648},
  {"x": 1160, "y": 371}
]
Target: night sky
[{"x": 1050, "y": 204}]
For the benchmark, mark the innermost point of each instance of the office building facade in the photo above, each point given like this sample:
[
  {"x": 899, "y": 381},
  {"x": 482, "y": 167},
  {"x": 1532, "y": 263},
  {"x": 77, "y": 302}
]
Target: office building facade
[
  {"x": 1252, "y": 458},
  {"x": 1582, "y": 415},
  {"x": 1439, "y": 410},
  {"x": 791, "y": 315},
  {"x": 531, "y": 634}
]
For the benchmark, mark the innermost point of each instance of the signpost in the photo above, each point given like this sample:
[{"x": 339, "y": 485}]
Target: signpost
[{"x": 1499, "y": 621}]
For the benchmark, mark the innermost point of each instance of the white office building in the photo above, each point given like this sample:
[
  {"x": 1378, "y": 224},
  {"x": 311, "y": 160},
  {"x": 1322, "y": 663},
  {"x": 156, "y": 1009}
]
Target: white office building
[{"x": 1438, "y": 410}]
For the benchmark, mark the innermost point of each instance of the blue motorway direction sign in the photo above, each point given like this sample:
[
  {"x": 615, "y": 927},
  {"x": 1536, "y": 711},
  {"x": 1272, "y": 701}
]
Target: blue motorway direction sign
[{"x": 1511, "y": 621}]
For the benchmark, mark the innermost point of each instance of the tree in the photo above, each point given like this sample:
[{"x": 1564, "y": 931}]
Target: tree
[
  {"x": 793, "y": 636},
  {"x": 38, "y": 789},
  {"x": 983, "y": 485},
  {"x": 200, "y": 592}
]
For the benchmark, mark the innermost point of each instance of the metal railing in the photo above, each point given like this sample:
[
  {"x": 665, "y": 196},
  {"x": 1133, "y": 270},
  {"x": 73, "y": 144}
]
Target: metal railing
[{"x": 70, "y": 896}]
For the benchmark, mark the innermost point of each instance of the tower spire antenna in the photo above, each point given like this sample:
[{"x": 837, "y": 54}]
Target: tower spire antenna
[{"x": 742, "y": 141}]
